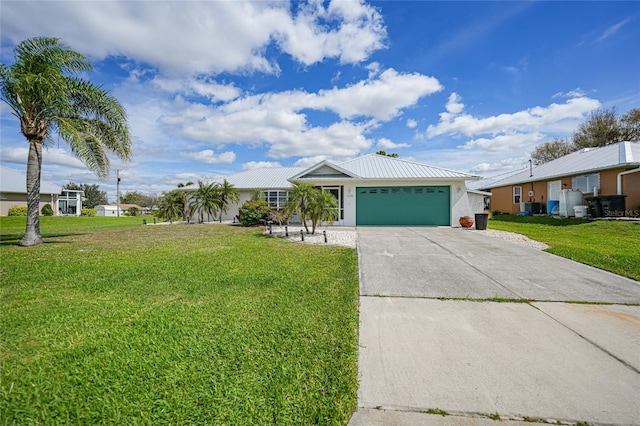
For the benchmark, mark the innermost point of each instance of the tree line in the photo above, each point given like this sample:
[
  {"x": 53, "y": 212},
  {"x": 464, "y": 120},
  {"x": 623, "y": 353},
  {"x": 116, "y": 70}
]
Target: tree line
[{"x": 603, "y": 127}]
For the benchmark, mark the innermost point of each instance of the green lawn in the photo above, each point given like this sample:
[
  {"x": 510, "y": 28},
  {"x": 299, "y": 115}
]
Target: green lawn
[
  {"x": 606, "y": 244},
  {"x": 202, "y": 324}
]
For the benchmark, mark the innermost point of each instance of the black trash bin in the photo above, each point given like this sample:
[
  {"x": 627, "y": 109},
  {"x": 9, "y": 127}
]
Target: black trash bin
[
  {"x": 481, "y": 221},
  {"x": 613, "y": 205},
  {"x": 595, "y": 208}
]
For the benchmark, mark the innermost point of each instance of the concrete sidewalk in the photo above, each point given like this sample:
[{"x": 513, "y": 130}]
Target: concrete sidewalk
[{"x": 537, "y": 361}]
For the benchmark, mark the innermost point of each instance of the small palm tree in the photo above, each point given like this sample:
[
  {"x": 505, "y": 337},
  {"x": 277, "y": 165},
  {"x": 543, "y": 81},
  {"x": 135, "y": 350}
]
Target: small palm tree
[
  {"x": 300, "y": 198},
  {"x": 186, "y": 211},
  {"x": 323, "y": 208},
  {"x": 170, "y": 206},
  {"x": 44, "y": 91},
  {"x": 228, "y": 194},
  {"x": 206, "y": 199}
]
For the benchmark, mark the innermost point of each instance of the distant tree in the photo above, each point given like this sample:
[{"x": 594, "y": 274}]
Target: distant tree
[
  {"x": 551, "y": 150},
  {"x": 45, "y": 90},
  {"x": 630, "y": 123},
  {"x": 93, "y": 196},
  {"x": 394, "y": 155},
  {"x": 149, "y": 200},
  {"x": 227, "y": 194},
  {"x": 603, "y": 127},
  {"x": 132, "y": 197}
]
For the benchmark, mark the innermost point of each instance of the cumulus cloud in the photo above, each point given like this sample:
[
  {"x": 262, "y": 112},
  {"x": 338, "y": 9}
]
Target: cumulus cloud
[
  {"x": 455, "y": 122},
  {"x": 251, "y": 165},
  {"x": 210, "y": 157},
  {"x": 202, "y": 86},
  {"x": 50, "y": 156},
  {"x": 279, "y": 119},
  {"x": 203, "y": 37},
  {"x": 411, "y": 123},
  {"x": 384, "y": 143}
]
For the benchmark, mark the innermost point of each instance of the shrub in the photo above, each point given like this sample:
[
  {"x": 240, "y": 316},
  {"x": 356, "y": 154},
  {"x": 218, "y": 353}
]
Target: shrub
[
  {"x": 88, "y": 212},
  {"x": 253, "y": 212},
  {"x": 18, "y": 211},
  {"x": 133, "y": 211},
  {"x": 47, "y": 210}
]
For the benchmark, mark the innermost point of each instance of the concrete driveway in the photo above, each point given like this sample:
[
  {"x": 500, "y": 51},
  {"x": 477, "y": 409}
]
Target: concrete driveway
[{"x": 431, "y": 341}]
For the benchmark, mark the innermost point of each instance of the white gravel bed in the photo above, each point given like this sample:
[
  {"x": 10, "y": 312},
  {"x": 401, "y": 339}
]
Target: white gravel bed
[
  {"x": 511, "y": 236},
  {"x": 342, "y": 236}
]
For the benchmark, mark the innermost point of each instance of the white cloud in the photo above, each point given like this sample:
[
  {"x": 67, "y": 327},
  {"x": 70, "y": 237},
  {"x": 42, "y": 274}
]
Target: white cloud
[
  {"x": 505, "y": 165},
  {"x": 456, "y": 122},
  {"x": 278, "y": 119},
  {"x": 505, "y": 142},
  {"x": 202, "y": 37},
  {"x": 50, "y": 156},
  {"x": 210, "y": 157},
  {"x": 310, "y": 161},
  {"x": 575, "y": 93},
  {"x": 411, "y": 123},
  {"x": 384, "y": 143},
  {"x": 202, "y": 86},
  {"x": 251, "y": 165},
  {"x": 610, "y": 31}
]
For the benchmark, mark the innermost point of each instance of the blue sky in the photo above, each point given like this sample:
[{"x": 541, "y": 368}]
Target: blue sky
[{"x": 213, "y": 88}]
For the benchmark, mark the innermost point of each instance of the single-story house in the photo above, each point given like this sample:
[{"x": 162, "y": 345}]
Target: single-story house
[
  {"x": 13, "y": 192},
  {"x": 603, "y": 171},
  {"x": 371, "y": 190},
  {"x": 112, "y": 209}
]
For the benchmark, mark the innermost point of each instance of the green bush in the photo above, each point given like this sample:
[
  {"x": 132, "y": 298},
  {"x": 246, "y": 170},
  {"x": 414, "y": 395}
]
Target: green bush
[
  {"x": 88, "y": 212},
  {"x": 47, "y": 210},
  {"x": 253, "y": 212},
  {"x": 133, "y": 211},
  {"x": 18, "y": 211}
]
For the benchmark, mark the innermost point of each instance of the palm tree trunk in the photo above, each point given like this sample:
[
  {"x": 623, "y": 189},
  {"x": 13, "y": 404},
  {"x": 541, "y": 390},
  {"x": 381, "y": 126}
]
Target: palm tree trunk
[{"x": 34, "y": 167}]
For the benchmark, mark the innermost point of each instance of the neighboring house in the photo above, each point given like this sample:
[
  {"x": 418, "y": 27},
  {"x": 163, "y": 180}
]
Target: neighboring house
[
  {"x": 13, "y": 192},
  {"x": 112, "y": 209},
  {"x": 608, "y": 170},
  {"x": 371, "y": 190}
]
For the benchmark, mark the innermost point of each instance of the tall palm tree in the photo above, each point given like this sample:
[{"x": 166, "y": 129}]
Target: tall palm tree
[
  {"x": 43, "y": 89},
  {"x": 228, "y": 194},
  {"x": 206, "y": 199}
]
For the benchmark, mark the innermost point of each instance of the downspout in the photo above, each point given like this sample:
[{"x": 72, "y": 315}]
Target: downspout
[{"x": 628, "y": 172}]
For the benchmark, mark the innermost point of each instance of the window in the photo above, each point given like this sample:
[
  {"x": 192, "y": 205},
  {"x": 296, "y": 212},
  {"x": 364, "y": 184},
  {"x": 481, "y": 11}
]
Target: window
[
  {"x": 517, "y": 194},
  {"x": 276, "y": 199},
  {"x": 586, "y": 183}
]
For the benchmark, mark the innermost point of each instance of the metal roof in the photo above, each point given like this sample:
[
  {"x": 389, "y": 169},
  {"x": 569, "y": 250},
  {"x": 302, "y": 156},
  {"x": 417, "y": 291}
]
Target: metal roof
[
  {"x": 584, "y": 161},
  {"x": 374, "y": 166},
  {"x": 264, "y": 178},
  {"x": 14, "y": 181}
]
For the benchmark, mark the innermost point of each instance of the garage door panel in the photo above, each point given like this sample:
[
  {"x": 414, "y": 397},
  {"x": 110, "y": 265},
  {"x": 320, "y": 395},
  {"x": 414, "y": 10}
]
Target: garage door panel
[{"x": 403, "y": 205}]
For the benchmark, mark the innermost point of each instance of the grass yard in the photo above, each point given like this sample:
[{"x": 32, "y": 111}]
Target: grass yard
[
  {"x": 203, "y": 324},
  {"x": 606, "y": 244}
]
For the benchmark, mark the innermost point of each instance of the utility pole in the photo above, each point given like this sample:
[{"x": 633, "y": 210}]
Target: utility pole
[{"x": 118, "y": 192}]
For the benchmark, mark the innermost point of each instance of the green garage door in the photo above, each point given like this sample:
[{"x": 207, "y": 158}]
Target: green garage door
[{"x": 403, "y": 205}]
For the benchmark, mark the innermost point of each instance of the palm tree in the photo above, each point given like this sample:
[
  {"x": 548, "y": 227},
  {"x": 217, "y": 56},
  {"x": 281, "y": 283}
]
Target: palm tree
[
  {"x": 228, "y": 194},
  {"x": 186, "y": 193},
  {"x": 323, "y": 208},
  {"x": 44, "y": 91},
  {"x": 206, "y": 199},
  {"x": 171, "y": 205},
  {"x": 300, "y": 198}
]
